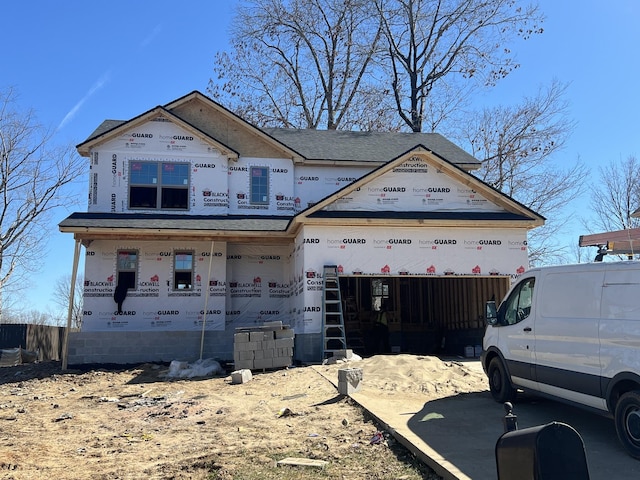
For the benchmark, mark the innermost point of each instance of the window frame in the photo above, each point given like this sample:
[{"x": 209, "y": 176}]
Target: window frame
[
  {"x": 161, "y": 184},
  {"x": 516, "y": 303},
  {"x": 133, "y": 270},
  {"x": 182, "y": 271},
  {"x": 263, "y": 187}
]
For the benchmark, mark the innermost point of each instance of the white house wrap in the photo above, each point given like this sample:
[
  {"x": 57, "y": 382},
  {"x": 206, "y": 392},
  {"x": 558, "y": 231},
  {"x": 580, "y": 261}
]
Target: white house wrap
[{"x": 212, "y": 224}]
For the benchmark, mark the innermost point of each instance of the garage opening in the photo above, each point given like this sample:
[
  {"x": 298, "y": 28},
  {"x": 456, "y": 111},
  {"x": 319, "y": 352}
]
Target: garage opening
[{"x": 419, "y": 315}]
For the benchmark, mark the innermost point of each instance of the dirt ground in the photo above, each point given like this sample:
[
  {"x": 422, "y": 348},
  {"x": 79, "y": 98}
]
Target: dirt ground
[{"x": 134, "y": 423}]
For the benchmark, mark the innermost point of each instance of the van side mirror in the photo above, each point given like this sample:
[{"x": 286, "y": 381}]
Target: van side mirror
[{"x": 491, "y": 313}]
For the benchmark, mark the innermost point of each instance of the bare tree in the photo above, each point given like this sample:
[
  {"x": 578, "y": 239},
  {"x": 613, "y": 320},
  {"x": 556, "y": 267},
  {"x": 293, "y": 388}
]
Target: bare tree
[
  {"x": 61, "y": 298},
  {"x": 518, "y": 147},
  {"x": 27, "y": 317},
  {"x": 314, "y": 63},
  {"x": 34, "y": 174},
  {"x": 449, "y": 43},
  {"x": 302, "y": 64},
  {"x": 615, "y": 196}
]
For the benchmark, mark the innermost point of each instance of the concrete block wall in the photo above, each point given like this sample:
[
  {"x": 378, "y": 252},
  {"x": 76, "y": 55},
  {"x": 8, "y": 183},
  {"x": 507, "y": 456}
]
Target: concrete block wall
[
  {"x": 140, "y": 347},
  {"x": 164, "y": 347}
]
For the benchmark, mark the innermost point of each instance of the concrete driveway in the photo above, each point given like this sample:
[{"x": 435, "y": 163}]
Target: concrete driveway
[{"x": 457, "y": 435}]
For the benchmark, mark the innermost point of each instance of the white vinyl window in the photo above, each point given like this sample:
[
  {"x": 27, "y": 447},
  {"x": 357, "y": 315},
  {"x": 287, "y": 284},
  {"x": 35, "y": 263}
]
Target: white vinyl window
[
  {"x": 259, "y": 185},
  {"x": 183, "y": 270},
  {"x": 127, "y": 268}
]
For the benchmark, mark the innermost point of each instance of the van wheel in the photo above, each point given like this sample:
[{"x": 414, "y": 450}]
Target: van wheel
[
  {"x": 627, "y": 417},
  {"x": 499, "y": 383}
]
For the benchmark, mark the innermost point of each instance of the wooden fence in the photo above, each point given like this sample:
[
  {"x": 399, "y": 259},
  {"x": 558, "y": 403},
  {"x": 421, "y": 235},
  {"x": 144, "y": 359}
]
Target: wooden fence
[{"x": 44, "y": 339}]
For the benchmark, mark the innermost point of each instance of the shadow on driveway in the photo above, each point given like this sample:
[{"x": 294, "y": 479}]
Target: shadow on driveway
[{"x": 464, "y": 429}]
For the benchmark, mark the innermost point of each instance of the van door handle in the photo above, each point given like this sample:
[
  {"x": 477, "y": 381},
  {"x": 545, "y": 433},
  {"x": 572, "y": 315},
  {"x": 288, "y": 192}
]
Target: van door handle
[{"x": 527, "y": 329}]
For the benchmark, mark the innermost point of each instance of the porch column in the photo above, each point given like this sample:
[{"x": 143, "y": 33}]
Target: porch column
[{"x": 72, "y": 290}]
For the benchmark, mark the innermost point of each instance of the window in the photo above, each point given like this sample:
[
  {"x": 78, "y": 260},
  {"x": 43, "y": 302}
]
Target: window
[
  {"x": 518, "y": 305},
  {"x": 379, "y": 291},
  {"x": 259, "y": 185},
  {"x": 127, "y": 268},
  {"x": 183, "y": 270},
  {"x": 161, "y": 185}
]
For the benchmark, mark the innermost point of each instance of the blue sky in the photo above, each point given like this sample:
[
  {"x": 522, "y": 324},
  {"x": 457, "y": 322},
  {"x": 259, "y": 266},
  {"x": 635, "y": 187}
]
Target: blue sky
[{"x": 77, "y": 63}]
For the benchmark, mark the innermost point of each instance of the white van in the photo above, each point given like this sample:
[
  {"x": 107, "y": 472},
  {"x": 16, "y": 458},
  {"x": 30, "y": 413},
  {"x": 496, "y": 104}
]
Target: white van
[{"x": 571, "y": 332}]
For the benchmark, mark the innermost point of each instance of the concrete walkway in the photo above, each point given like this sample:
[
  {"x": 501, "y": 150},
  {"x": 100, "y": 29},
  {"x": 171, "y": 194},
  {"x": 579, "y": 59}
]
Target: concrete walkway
[{"x": 456, "y": 436}]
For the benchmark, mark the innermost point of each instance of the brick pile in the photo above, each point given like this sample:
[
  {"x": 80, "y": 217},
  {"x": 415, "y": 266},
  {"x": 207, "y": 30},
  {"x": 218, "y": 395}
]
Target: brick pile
[{"x": 264, "y": 347}]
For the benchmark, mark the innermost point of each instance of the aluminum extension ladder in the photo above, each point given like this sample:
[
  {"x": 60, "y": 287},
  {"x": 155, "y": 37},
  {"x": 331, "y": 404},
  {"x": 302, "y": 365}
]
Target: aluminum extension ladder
[{"x": 333, "y": 331}]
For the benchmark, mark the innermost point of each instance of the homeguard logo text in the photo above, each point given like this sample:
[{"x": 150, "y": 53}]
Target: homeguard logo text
[
  {"x": 399, "y": 241},
  {"x": 388, "y": 189},
  {"x": 312, "y": 309},
  {"x": 309, "y": 179},
  {"x": 208, "y": 254},
  {"x": 211, "y": 312},
  {"x": 168, "y": 312},
  {"x": 439, "y": 241},
  {"x": 176, "y": 137},
  {"x": 205, "y": 165},
  {"x": 269, "y": 312},
  {"x": 393, "y": 241},
  {"x": 142, "y": 135},
  {"x": 311, "y": 240},
  {"x": 279, "y": 170},
  {"x": 432, "y": 190},
  {"x": 439, "y": 189},
  {"x": 345, "y": 241},
  {"x": 238, "y": 169},
  {"x": 483, "y": 242}
]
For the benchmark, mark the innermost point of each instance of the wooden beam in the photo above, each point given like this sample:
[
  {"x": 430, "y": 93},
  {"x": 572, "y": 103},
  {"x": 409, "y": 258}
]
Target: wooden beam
[{"x": 597, "y": 239}]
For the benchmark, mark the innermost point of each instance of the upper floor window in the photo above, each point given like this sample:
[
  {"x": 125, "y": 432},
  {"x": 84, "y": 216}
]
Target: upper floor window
[
  {"x": 259, "y": 185},
  {"x": 159, "y": 185}
]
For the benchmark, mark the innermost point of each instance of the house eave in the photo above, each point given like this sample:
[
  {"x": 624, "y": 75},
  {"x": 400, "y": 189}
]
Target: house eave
[
  {"x": 161, "y": 234},
  {"x": 430, "y": 223}
]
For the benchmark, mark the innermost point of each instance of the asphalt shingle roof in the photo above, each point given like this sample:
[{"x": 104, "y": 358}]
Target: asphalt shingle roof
[
  {"x": 341, "y": 145},
  {"x": 246, "y": 223}
]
